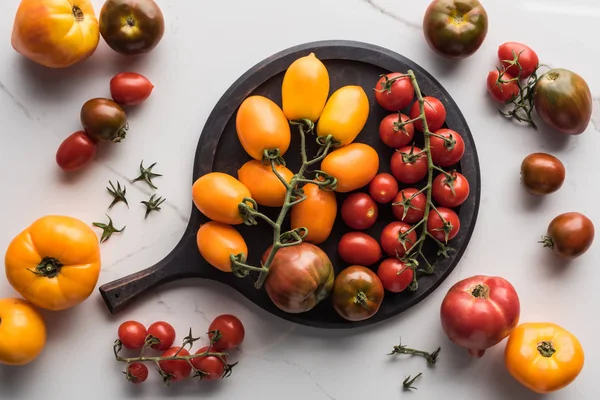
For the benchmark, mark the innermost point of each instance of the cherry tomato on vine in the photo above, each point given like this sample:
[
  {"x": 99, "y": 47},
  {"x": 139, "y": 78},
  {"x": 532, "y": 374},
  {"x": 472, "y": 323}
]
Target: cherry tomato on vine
[
  {"x": 450, "y": 190},
  {"x": 502, "y": 92},
  {"x": 212, "y": 365},
  {"x": 383, "y": 188},
  {"x": 130, "y": 89},
  {"x": 164, "y": 332},
  {"x": 230, "y": 334},
  {"x": 359, "y": 248},
  {"x": 217, "y": 242},
  {"x": 137, "y": 373},
  {"x": 104, "y": 120},
  {"x": 443, "y": 229},
  {"x": 408, "y": 165},
  {"x": 391, "y": 242},
  {"x": 394, "y": 136},
  {"x": 217, "y": 196},
  {"x": 354, "y": 166},
  {"x": 542, "y": 173},
  {"x": 395, "y": 275},
  {"x": 435, "y": 114},
  {"x": 359, "y": 211},
  {"x": 132, "y": 334},
  {"x": 75, "y": 151},
  {"x": 528, "y": 59},
  {"x": 446, "y": 153},
  {"x": 569, "y": 235},
  {"x": 394, "y": 91},
  {"x": 264, "y": 186},
  {"x": 407, "y": 208},
  {"x": 178, "y": 369}
]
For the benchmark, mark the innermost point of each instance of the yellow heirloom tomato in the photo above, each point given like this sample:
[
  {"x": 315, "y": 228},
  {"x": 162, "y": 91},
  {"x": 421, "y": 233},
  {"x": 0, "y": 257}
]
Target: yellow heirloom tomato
[
  {"x": 217, "y": 242},
  {"x": 305, "y": 89},
  {"x": 345, "y": 114},
  {"x": 265, "y": 187},
  {"x": 22, "y": 332},
  {"x": 261, "y": 125},
  {"x": 54, "y": 263},
  {"x": 217, "y": 196}
]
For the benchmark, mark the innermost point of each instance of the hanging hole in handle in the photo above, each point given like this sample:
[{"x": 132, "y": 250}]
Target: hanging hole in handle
[{"x": 117, "y": 296}]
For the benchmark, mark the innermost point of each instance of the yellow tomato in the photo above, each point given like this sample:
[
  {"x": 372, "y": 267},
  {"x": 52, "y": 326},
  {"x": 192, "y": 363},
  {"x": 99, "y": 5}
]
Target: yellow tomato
[
  {"x": 345, "y": 114},
  {"x": 354, "y": 166},
  {"x": 316, "y": 213},
  {"x": 261, "y": 125},
  {"x": 543, "y": 356},
  {"x": 265, "y": 187},
  {"x": 305, "y": 89},
  {"x": 217, "y": 196},
  {"x": 22, "y": 332},
  {"x": 217, "y": 242},
  {"x": 54, "y": 263},
  {"x": 55, "y": 33}
]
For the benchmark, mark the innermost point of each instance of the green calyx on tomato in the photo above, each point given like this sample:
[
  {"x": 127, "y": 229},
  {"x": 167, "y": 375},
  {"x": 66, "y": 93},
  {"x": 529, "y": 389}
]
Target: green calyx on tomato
[
  {"x": 131, "y": 27},
  {"x": 104, "y": 120},
  {"x": 455, "y": 28}
]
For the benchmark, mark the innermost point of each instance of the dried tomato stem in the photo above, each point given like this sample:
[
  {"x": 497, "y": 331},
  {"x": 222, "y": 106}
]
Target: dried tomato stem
[{"x": 430, "y": 357}]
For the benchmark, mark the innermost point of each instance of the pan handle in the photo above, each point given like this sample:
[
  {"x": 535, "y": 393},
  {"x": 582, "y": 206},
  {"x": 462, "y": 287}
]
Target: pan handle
[{"x": 183, "y": 261}]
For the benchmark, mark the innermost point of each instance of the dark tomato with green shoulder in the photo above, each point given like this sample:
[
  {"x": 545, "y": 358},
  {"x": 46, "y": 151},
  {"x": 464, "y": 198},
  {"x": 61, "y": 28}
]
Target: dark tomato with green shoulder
[
  {"x": 131, "y": 27},
  {"x": 455, "y": 28},
  {"x": 357, "y": 293},
  {"x": 569, "y": 235},
  {"x": 542, "y": 173},
  {"x": 104, "y": 120}
]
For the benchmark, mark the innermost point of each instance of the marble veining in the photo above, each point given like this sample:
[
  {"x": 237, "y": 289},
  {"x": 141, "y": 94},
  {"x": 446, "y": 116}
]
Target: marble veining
[{"x": 384, "y": 11}]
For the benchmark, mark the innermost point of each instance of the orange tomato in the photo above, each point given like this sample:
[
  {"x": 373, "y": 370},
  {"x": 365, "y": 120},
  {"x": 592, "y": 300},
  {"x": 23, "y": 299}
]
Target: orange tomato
[
  {"x": 54, "y": 263},
  {"x": 261, "y": 125},
  {"x": 55, "y": 33},
  {"x": 354, "y": 166},
  {"x": 305, "y": 89},
  {"x": 217, "y": 242},
  {"x": 316, "y": 213},
  {"x": 543, "y": 356},
  {"x": 217, "y": 196},
  {"x": 345, "y": 114},
  {"x": 265, "y": 187},
  {"x": 22, "y": 332}
]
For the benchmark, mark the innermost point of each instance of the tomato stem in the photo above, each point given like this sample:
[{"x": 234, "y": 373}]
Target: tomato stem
[
  {"x": 481, "y": 291},
  {"x": 430, "y": 357},
  {"x": 77, "y": 13},
  {"x": 407, "y": 384},
  {"x": 546, "y": 348},
  {"x": 117, "y": 193},
  {"x": 361, "y": 300},
  {"x": 49, "y": 267},
  {"x": 107, "y": 229},
  {"x": 547, "y": 242},
  {"x": 146, "y": 175}
]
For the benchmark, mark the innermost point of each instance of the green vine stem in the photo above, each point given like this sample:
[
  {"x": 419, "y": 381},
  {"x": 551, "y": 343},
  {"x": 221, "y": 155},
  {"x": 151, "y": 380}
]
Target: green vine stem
[
  {"x": 293, "y": 195},
  {"x": 431, "y": 358},
  {"x": 188, "y": 341}
]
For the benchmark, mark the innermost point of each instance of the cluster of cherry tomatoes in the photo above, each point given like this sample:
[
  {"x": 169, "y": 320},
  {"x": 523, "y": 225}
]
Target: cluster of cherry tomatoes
[
  {"x": 226, "y": 332},
  {"x": 103, "y": 120},
  {"x": 408, "y": 166}
]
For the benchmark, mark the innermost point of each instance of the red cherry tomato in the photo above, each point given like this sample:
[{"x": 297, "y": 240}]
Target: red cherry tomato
[
  {"x": 75, "y": 151},
  {"x": 178, "y": 369},
  {"x": 394, "y": 91},
  {"x": 227, "y": 332},
  {"x": 212, "y": 365},
  {"x": 132, "y": 334},
  {"x": 130, "y": 89},
  {"x": 359, "y": 211},
  {"x": 391, "y": 134},
  {"x": 358, "y": 248},
  {"x": 137, "y": 373},
  {"x": 443, "y": 153},
  {"x": 408, "y": 166},
  {"x": 443, "y": 229},
  {"x": 395, "y": 275},
  {"x": 407, "y": 208},
  {"x": 435, "y": 114},
  {"x": 528, "y": 59},
  {"x": 501, "y": 92},
  {"x": 390, "y": 239},
  {"x": 450, "y": 190},
  {"x": 164, "y": 332},
  {"x": 383, "y": 188}
]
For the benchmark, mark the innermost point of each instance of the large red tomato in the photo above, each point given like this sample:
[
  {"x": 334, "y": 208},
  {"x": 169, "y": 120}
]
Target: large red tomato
[
  {"x": 479, "y": 312},
  {"x": 300, "y": 277}
]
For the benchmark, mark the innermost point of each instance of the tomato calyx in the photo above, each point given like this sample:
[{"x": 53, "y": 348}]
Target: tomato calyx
[
  {"x": 412, "y": 157},
  {"x": 77, "y": 13},
  {"x": 107, "y": 229},
  {"x": 361, "y": 300},
  {"x": 449, "y": 142},
  {"x": 547, "y": 242},
  {"x": 146, "y": 175},
  {"x": 431, "y": 358},
  {"x": 49, "y": 267},
  {"x": 407, "y": 202},
  {"x": 387, "y": 83},
  {"x": 481, "y": 291},
  {"x": 546, "y": 348}
]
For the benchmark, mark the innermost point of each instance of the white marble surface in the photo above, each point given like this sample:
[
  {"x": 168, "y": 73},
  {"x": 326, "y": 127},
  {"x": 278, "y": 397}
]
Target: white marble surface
[{"x": 207, "y": 45}]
